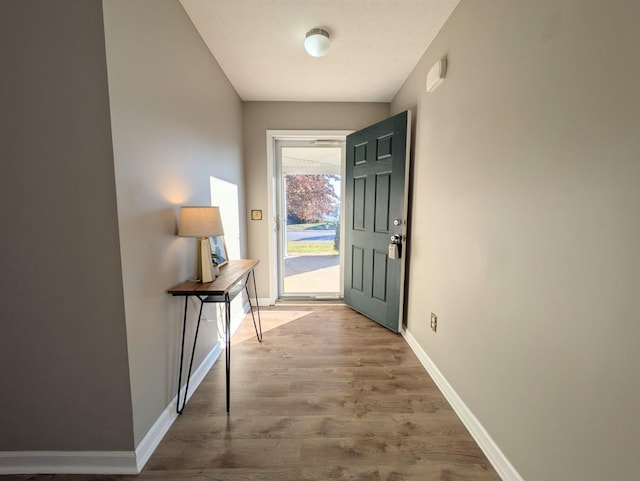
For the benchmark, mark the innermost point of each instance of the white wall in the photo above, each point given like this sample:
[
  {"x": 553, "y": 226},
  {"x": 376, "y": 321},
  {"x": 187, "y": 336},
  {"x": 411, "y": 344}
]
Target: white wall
[
  {"x": 526, "y": 228},
  {"x": 176, "y": 122}
]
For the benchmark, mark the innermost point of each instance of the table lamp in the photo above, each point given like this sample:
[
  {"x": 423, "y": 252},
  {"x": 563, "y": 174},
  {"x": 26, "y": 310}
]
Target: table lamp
[{"x": 201, "y": 222}]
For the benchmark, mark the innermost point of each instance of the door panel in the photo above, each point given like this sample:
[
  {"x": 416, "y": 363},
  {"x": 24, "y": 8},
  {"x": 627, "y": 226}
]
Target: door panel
[
  {"x": 359, "y": 202},
  {"x": 382, "y": 207},
  {"x": 357, "y": 269},
  {"x": 379, "y": 280},
  {"x": 376, "y": 195}
]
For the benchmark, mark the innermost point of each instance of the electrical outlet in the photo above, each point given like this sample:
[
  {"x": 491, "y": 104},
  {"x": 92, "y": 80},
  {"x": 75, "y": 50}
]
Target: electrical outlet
[{"x": 434, "y": 322}]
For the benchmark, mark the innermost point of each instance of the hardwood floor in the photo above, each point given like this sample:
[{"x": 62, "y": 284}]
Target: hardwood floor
[{"x": 328, "y": 395}]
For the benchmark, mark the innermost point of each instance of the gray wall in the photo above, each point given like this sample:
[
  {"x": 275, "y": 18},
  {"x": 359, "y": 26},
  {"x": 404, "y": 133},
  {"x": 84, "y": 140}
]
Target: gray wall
[
  {"x": 258, "y": 117},
  {"x": 97, "y": 154},
  {"x": 176, "y": 122},
  {"x": 63, "y": 346},
  {"x": 526, "y": 228}
]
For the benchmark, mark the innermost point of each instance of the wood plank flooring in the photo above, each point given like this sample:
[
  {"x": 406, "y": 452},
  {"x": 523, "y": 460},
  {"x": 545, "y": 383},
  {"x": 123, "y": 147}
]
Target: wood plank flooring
[{"x": 328, "y": 395}]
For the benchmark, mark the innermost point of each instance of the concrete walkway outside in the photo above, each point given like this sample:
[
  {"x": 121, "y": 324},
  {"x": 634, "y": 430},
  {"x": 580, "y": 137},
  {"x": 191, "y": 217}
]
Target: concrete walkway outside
[{"x": 307, "y": 274}]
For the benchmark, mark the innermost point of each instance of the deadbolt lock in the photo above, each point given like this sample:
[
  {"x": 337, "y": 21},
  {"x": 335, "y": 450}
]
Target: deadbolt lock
[{"x": 395, "y": 247}]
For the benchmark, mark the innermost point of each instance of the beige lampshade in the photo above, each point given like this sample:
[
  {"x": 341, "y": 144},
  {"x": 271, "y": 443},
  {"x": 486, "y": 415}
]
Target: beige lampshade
[{"x": 200, "y": 221}]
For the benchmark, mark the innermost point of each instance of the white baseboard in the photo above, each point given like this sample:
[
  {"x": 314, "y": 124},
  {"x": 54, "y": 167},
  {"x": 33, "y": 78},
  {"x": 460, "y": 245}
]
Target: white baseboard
[
  {"x": 113, "y": 462},
  {"x": 263, "y": 301},
  {"x": 496, "y": 457},
  {"x": 153, "y": 437},
  {"x": 68, "y": 462}
]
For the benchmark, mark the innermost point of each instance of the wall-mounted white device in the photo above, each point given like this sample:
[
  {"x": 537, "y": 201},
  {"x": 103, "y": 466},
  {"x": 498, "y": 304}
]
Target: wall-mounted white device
[{"x": 436, "y": 74}]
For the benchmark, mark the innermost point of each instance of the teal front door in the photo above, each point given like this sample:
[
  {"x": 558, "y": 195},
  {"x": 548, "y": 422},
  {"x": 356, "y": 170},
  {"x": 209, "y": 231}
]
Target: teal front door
[{"x": 376, "y": 206}]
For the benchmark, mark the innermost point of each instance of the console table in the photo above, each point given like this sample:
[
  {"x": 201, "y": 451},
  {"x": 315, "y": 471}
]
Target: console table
[{"x": 233, "y": 279}]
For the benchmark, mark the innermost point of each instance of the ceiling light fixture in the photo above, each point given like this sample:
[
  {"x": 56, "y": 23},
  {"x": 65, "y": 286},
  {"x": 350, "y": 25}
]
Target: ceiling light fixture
[{"x": 317, "y": 42}]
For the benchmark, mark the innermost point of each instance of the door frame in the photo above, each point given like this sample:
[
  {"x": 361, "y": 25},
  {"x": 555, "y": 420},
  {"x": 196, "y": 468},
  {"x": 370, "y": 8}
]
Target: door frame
[{"x": 272, "y": 212}]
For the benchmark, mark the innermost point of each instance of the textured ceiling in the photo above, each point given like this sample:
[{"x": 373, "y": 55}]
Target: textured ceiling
[{"x": 375, "y": 44}]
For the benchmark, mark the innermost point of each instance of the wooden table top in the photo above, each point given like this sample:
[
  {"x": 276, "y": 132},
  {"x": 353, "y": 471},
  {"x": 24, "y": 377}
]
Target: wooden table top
[{"x": 230, "y": 274}]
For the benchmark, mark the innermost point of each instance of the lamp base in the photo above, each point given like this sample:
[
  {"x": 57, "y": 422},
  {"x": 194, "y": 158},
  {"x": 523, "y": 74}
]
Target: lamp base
[{"x": 204, "y": 265}]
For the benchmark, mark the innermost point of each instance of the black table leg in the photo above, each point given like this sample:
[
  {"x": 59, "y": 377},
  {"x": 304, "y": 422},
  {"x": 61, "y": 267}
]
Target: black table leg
[
  {"x": 227, "y": 336},
  {"x": 179, "y": 409},
  {"x": 184, "y": 328},
  {"x": 255, "y": 289}
]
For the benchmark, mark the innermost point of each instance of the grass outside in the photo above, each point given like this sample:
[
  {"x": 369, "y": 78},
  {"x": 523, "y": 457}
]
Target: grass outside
[{"x": 311, "y": 247}]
